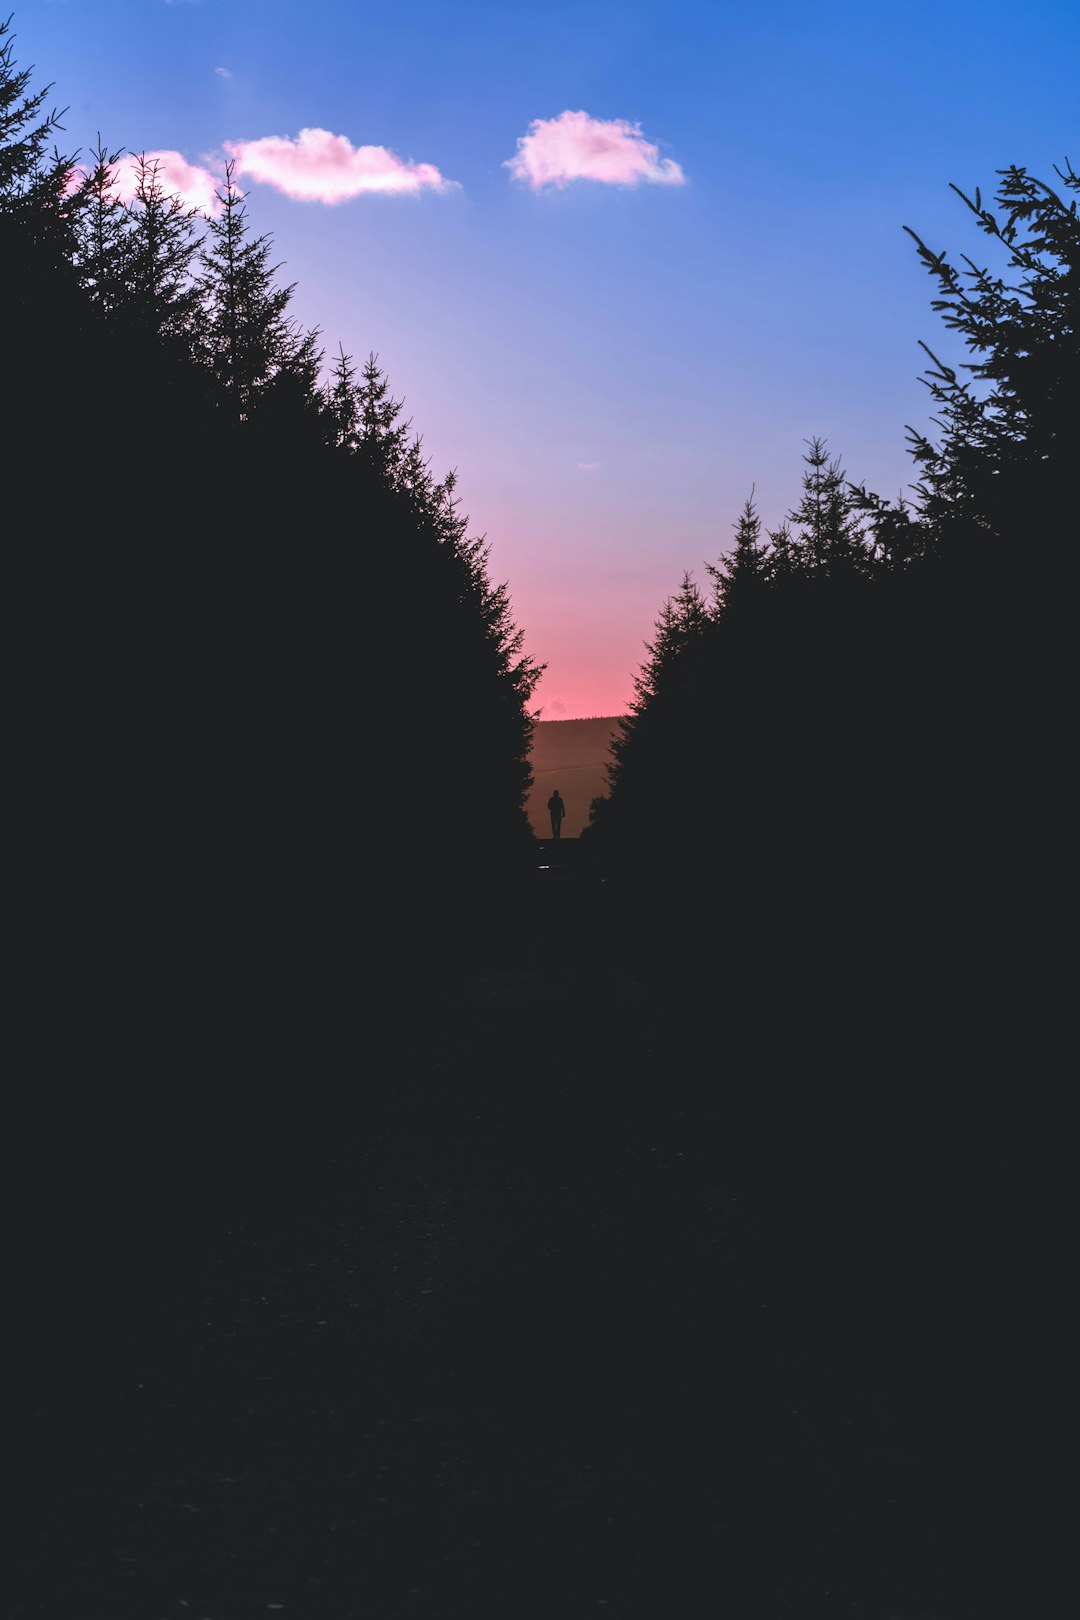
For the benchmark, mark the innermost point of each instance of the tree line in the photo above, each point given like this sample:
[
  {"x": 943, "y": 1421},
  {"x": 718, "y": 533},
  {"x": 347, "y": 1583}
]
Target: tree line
[
  {"x": 856, "y": 735},
  {"x": 269, "y": 718},
  {"x": 274, "y": 703}
]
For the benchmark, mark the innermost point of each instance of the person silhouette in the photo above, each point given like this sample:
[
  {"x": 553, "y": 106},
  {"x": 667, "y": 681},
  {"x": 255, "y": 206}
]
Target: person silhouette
[{"x": 557, "y": 810}]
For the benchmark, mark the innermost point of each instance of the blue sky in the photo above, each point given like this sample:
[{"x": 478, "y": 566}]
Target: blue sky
[{"x": 610, "y": 362}]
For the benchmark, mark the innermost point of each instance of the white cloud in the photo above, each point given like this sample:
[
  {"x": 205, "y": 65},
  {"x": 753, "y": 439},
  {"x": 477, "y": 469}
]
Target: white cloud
[
  {"x": 574, "y": 146},
  {"x": 317, "y": 166}
]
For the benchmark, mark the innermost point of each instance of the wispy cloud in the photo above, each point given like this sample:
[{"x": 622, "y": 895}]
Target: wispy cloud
[
  {"x": 574, "y": 146},
  {"x": 317, "y": 166},
  {"x": 223, "y": 73},
  {"x": 588, "y": 466}
]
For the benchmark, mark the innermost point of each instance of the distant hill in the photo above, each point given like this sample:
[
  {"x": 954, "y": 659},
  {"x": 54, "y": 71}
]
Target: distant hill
[{"x": 570, "y": 755}]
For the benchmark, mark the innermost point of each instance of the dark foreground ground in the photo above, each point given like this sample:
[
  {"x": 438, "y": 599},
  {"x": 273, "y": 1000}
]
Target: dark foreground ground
[{"x": 567, "y": 1307}]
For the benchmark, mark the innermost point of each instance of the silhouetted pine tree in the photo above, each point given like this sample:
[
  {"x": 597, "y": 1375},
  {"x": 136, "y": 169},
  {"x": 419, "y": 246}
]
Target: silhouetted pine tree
[
  {"x": 828, "y": 538},
  {"x": 382, "y": 435},
  {"x": 741, "y": 576},
  {"x": 469, "y": 692},
  {"x": 342, "y": 406},
  {"x": 161, "y": 297},
  {"x": 1002, "y": 464},
  {"x": 784, "y": 558},
  {"x": 266, "y": 367},
  {"x": 996, "y": 493},
  {"x": 495, "y": 678},
  {"x": 896, "y": 535},
  {"x": 44, "y": 315},
  {"x": 653, "y": 761},
  {"x": 244, "y": 333},
  {"x": 138, "y": 261},
  {"x": 101, "y": 225},
  {"x": 681, "y": 624},
  {"x": 32, "y": 182}
]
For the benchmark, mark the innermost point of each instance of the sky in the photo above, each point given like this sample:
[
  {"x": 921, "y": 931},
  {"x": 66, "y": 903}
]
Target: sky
[{"x": 620, "y": 260}]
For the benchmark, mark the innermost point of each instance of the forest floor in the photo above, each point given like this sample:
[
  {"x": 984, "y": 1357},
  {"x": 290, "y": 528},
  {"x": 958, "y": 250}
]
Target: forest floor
[{"x": 545, "y": 1336}]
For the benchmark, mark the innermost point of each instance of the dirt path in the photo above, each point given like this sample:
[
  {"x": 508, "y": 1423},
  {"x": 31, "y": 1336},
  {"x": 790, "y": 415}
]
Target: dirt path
[{"x": 538, "y": 1341}]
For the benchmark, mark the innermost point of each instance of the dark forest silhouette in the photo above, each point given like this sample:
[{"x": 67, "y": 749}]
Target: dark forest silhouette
[
  {"x": 775, "y": 1042},
  {"x": 239, "y": 603},
  {"x": 244, "y": 563},
  {"x": 855, "y": 737}
]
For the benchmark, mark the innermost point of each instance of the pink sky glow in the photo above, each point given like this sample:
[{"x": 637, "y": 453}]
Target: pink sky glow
[
  {"x": 320, "y": 167},
  {"x": 574, "y": 146}
]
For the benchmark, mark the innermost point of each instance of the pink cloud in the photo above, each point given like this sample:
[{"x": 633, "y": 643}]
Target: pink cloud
[
  {"x": 577, "y": 147},
  {"x": 320, "y": 167}
]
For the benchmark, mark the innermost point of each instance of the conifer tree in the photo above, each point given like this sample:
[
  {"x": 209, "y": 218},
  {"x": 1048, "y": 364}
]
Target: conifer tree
[
  {"x": 45, "y": 316},
  {"x": 32, "y": 184},
  {"x": 896, "y": 535},
  {"x": 1000, "y": 469},
  {"x": 996, "y": 492},
  {"x": 469, "y": 692},
  {"x": 391, "y": 458},
  {"x": 161, "y": 297},
  {"x": 291, "y": 401},
  {"x": 680, "y": 629},
  {"x": 740, "y": 576},
  {"x": 681, "y": 623},
  {"x": 342, "y": 407},
  {"x": 246, "y": 337},
  {"x": 382, "y": 437},
  {"x": 101, "y": 229},
  {"x": 477, "y": 646},
  {"x": 828, "y": 538},
  {"x": 785, "y": 558}
]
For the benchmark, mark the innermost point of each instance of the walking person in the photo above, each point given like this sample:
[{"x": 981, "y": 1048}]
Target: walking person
[{"x": 557, "y": 810}]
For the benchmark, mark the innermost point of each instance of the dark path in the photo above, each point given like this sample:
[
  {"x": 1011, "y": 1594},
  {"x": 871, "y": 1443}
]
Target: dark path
[{"x": 543, "y": 1331}]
